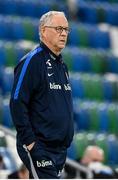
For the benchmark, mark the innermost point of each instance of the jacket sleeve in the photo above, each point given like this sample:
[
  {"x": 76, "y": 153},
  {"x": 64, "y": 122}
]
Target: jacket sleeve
[{"x": 26, "y": 81}]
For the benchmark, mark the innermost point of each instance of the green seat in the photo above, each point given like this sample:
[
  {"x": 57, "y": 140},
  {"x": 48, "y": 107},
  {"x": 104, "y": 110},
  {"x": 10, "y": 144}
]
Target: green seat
[
  {"x": 113, "y": 1},
  {"x": 101, "y": 141},
  {"x": 29, "y": 31},
  {"x": 81, "y": 143},
  {"x": 91, "y": 138},
  {"x": 113, "y": 118},
  {"x": 86, "y": 83},
  {"x": 83, "y": 35},
  {"x": 98, "y": 62},
  {"x": 10, "y": 54},
  {"x": 94, "y": 117},
  {"x": 1, "y": 110},
  {"x": 116, "y": 130},
  {"x": 101, "y": 14},
  {"x": 97, "y": 87},
  {"x": 115, "y": 90},
  {"x": 67, "y": 56},
  {"x": 92, "y": 85}
]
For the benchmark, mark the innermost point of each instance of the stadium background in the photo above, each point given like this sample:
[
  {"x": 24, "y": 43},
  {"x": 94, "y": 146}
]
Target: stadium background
[{"x": 92, "y": 58}]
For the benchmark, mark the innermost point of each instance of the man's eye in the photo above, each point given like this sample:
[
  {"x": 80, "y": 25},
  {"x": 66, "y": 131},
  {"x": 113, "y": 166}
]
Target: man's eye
[
  {"x": 59, "y": 28},
  {"x": 66, "y": 29}
]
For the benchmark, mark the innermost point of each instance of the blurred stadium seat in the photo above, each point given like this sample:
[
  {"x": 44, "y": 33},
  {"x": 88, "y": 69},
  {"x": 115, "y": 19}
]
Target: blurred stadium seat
[
  {"x": 18, "y": 7},
  {"x": 108, "y": 143},
  {"x": 7, "y": 121},
  {"x": 96, "y": 116},
  {"x": 90, "y": 60},
  {"x": 97, "y": 12},
  {"x": 94, "y": 86},
  {"x": 8, "y": 159}
]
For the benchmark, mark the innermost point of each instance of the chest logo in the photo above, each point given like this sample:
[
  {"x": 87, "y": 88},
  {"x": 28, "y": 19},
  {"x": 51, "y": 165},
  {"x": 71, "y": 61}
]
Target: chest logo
[
  {"x": 50, "y": 74},
  {"x": 55, "y": 86},
  {"x": 48, "y": 63}
]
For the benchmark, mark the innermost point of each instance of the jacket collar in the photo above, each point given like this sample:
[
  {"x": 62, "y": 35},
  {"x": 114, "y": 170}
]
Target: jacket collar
[{"x": 52, "y": 55}]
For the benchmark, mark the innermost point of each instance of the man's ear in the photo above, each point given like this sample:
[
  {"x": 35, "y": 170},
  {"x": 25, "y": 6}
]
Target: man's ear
[{"x": 42, "y": 31}]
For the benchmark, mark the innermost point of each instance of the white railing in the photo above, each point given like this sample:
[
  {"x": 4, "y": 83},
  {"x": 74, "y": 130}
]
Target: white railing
[{"x": 78, "y": 167}]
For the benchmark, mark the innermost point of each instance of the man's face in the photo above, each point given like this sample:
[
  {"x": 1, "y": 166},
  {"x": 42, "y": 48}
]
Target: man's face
[
  {"x": 93, "y": 155},
  {"x": 54, "y": 34}
]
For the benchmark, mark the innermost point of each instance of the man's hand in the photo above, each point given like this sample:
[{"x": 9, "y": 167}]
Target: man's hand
[{"x": 29, "y": 147}]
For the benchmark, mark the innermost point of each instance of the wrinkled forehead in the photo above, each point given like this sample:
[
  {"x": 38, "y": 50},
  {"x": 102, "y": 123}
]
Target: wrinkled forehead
[{"x": 59, "y": 20}]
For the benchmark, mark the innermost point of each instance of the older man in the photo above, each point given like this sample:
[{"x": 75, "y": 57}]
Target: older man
[{"x": 41, "y": 102}]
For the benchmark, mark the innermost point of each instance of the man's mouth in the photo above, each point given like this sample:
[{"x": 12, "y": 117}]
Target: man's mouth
[{"x": 63, "y": 41}]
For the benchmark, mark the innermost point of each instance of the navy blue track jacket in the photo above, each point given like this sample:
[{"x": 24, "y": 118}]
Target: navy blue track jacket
[{"x": 41, "y": 101}]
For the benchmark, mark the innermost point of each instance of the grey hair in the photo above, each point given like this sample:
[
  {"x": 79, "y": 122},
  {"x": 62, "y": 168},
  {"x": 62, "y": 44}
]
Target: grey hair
[{"x": 47, "y": 17}]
